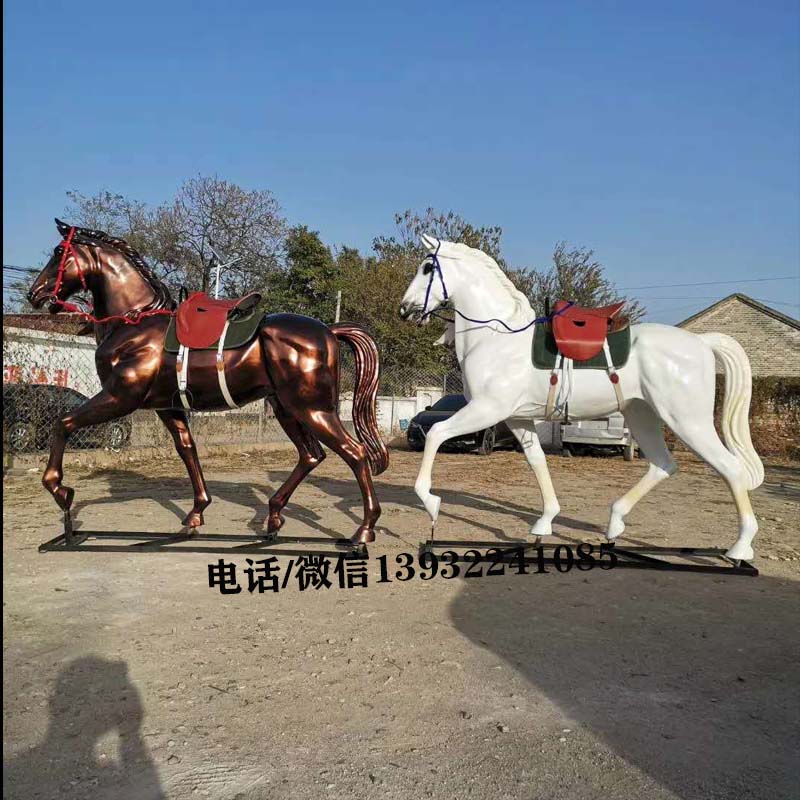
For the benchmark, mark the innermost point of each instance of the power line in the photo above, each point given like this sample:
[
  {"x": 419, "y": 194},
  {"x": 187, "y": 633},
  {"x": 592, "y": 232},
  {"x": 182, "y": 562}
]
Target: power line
[
  {"x": 714, "y": 297},
  {"x": 708, "y": 283},
  {"x": 15, "y": 268}
]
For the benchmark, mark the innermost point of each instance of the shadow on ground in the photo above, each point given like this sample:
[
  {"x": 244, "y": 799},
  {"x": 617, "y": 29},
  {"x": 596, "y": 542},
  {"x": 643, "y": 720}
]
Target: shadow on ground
[
  {"x": 93, "y": 698},
  {"x": 129, "y": 484},
  {"x": 693, "y": 679}
]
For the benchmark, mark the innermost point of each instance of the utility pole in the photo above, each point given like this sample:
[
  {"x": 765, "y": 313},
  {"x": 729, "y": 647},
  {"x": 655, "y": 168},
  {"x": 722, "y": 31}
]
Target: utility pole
[
  {"x": 217, "y": 263},
  {"x": 338, "y": 304}
]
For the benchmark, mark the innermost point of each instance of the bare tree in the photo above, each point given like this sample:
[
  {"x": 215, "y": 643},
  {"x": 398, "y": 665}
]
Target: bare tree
[
  {"x": 177, "y": 237},
  {"x": 448, "y": 226},
  {"x": 213, "y": 213},
  {"x": 574, "y": 275}
]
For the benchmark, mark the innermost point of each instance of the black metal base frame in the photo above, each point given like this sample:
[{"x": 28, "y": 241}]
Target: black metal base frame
[
  {"x": 694, "y": 559},
  {"x": 79, "y": 541}
]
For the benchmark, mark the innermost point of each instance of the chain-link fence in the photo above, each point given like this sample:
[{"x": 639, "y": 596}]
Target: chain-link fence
[{"x": 49, "y": 369}]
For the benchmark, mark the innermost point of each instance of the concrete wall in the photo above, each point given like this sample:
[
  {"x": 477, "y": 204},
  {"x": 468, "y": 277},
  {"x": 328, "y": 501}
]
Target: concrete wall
[
  {"x": 772, "y": 346},
  {"x": 393, "y": 413},
  {"x": 59, "y": 359}
]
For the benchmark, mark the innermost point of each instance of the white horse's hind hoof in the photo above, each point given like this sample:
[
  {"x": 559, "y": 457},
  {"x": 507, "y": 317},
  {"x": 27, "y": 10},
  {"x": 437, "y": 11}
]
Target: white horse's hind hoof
[
  {"x": 741, "y": 552},
  {"x": 432, "y": 503},
  {"x": 615, "y": 528},
  {"x": 542, "y": 527}
]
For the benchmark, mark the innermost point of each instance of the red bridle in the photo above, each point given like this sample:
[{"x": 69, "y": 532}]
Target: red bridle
[{"x": 133, "y": 317}]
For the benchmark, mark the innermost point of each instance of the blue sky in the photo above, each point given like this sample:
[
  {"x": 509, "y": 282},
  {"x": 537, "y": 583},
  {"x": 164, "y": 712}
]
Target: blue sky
[{"x": 665, "y": 136}]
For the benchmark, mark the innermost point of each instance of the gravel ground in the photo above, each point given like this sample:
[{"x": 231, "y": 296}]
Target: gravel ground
[{"x": 126, "y": 676}]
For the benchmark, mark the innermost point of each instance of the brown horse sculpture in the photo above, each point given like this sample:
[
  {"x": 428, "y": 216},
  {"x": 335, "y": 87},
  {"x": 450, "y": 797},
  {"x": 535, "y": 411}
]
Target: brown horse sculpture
[{"x": 293, "y": 361}]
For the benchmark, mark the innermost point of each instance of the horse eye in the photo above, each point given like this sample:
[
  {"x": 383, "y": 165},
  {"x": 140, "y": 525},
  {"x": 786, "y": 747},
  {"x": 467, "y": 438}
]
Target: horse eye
[{"x": 427, "y": 269}]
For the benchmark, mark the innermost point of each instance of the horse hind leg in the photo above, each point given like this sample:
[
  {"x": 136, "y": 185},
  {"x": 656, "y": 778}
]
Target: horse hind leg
[
  {"x": 177, "y": 423},
  {"x": 701, "y": 437},
  {"x": 328, "y": 428},
  {"x": 647, "y": 429},
  {"x": 310, "y": 455}
]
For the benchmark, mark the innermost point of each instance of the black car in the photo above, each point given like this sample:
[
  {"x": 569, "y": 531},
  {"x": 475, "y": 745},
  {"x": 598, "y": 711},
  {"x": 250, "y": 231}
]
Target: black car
[
  {"x": 29, "y": 411},
  {"x": 483, "y": 441}
]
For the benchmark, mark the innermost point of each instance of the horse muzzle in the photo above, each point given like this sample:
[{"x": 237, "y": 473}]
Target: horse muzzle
[
  {"x": 413, "y": 312},
  {"x": 37, "y": 297}
]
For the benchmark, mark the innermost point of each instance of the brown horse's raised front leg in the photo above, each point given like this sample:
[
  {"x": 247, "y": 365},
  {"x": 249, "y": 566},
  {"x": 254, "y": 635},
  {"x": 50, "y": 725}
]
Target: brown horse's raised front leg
[
  {"x": 103, "y": 407},
  {"x": 310, "y": 454},
  {"x": 177, "y": 424}
]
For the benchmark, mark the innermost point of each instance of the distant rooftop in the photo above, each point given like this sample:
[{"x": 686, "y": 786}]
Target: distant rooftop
[{"x": 764, "y": 309}]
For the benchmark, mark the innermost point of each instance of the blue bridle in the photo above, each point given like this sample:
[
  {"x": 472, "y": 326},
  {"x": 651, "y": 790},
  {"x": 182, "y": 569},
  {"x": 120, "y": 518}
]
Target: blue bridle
[{"x": 436, "y": 269}]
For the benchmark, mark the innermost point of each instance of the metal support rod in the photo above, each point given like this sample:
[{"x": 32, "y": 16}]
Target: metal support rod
[
  {"x": 703, "y": 559},
  {"x": 231, "y": 544}
]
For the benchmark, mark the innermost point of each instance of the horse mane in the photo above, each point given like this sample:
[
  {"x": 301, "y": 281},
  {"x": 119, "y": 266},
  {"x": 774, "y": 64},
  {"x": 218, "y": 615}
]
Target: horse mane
[
  {"x": 163, "y": 296},
  {"x": 522, "y": 306}
]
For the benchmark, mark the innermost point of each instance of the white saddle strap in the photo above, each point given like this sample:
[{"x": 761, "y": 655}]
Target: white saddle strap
[
  {"x": 560, "y": 390},
  {"x": 551, "y": 392},
  {"x": 182, "y": 367},
  {"x": 223, "y": 384},
  {"x": 613, "y": 376}
]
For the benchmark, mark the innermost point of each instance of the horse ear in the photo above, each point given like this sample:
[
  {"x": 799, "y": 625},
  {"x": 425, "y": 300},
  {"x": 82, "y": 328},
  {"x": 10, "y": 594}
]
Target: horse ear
[
  {"x": 428, "y": 242},
  {"x": 63, "y": 228}
]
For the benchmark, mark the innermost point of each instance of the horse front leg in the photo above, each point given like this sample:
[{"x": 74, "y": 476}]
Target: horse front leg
[
  {"x": 525, "y": 431},
  {"x": 177, "y": 423},
  {"x": 309, "y": 455},
  {"x": 473, "y": 417},
  {"x": 103, "y": 407}
]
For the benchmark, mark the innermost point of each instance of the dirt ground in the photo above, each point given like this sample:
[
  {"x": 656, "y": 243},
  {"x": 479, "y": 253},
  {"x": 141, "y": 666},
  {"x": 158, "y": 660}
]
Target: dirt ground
[{"x": 126, "y": 676}]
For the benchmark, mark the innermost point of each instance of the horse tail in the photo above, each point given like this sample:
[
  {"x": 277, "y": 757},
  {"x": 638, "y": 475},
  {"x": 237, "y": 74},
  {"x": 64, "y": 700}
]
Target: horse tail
[
  {"x": 736, "y": 405},
  {"x": 365, "y": 421}
]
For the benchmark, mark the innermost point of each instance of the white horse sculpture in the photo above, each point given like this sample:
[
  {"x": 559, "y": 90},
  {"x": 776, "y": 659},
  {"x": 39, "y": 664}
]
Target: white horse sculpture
[{"x": 669, "y": 378}]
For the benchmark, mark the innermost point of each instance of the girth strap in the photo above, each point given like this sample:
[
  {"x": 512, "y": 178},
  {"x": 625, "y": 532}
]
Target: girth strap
[
  {"x": 558, "y": 396},
  {"x": 223, "y": 384},
  {"x": 182, "y": 367},
  {"x": 613, "y": 376}
]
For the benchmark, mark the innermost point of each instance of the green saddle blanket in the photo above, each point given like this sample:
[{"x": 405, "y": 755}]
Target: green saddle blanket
[
  {"x": 545, "y": 351},
  {"x": 240, "y": 332}
]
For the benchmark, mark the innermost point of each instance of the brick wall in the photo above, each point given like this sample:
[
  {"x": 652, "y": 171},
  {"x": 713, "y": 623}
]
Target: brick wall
[{"x": 772, "y": 346}]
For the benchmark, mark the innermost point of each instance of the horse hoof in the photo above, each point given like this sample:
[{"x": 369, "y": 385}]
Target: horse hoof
[
  {"x": 540, "y": 528},
  {"x": 740, "y": 552},
  {"x": 432, "y": 504},
  {"x": 274, "y": 524},
  {"x": 615, "y": 528},
  {"x": 64, "y": 496},
  {"x": 193, "y": 519},
  {"x": 363, "y": 535}
]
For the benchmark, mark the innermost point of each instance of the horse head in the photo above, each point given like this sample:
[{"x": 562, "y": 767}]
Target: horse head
[
  {"x": 93, "y": 261},
  {"x": 66, "y": 272},
  {"x": 429, "y": 289},
  {"x": 468, "y": 280}
]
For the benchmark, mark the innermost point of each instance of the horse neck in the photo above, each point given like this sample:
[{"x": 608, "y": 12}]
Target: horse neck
[
  {"x": 119, "y": 288},
  {"x": 480, "y": 296}
]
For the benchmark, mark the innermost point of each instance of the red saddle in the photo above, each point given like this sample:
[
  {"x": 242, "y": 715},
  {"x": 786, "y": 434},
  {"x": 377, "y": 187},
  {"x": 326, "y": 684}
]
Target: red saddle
[
  {"x": 580, "y": 332},
  {"x": 200, "y": 319}
]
